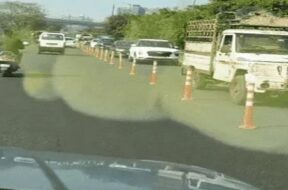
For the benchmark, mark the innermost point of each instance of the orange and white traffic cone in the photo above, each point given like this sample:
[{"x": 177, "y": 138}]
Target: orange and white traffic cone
[
  {"x": 133, "y": 68},
  {"x": 120, "y": 66},
  {"x": 187, "y": 94},
  {"x": 248, "y": 121},
  {"x": 102, "y": 54},
  {"x": 106, "y": 55},
  {"x": 153, "y": 78},
  {"x": 112, "y": 58},
  {"x": 96, "y": 52}
]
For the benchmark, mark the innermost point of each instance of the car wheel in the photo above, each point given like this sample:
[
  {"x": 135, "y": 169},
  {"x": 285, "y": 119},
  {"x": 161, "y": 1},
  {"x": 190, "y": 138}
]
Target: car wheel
[
  {"x": 238, "y": 90},
  {"x": 7, "y": 73}
]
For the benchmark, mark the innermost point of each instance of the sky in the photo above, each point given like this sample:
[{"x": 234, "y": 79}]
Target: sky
[{"x": 100, "y": 9}]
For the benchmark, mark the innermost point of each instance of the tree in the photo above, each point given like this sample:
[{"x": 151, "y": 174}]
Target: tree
[
  {"x": 19, "y": 15},
  {"x": 115, "y": 25}
]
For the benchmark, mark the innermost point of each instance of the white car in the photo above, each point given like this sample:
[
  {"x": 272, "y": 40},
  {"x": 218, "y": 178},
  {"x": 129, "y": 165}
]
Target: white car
[
  {"x": 95, "y": 42},
  {"x": 151, "y": 49},
  {"x": 70, "y": 42},
  {"x": 51, "y": 42}
]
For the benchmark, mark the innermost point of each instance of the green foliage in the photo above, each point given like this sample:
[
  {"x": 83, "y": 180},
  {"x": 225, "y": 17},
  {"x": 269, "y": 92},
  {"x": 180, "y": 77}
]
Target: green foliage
[
  {"x": 170, "y": 25},
  {"x": 166, "y": 24},
  {"x": 115, "y": 25},
  {"x": 278, "y": 7},
  {"x": 13, "y": 44},
  {"x": 19, "y": 15}
]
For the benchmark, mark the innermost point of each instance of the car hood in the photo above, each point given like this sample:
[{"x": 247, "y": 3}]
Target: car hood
[{"x": 20, "y": 169}]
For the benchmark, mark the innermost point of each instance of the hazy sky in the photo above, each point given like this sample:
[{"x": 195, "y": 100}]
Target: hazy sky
[{"x": 99, "y": 9}]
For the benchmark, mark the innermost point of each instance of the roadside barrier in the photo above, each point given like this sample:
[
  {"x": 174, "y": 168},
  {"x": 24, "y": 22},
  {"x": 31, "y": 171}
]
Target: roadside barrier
[
  {"x": 133, "y": 67},
  {"x": 153, "y": 78},
  {"x": 187, "y": 94},
  {"x": 248, "y": 122},
  {"x": 112, "y": 58},
  {"x": 120, "y": 63}
]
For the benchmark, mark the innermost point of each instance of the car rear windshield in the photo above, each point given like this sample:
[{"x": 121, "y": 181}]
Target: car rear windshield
[
  {"x": 107, "y": 41},
  {"x": 155, "y": 44},
  {"x": 52, "y": 37},
  {"x": 124, "y": 44}
]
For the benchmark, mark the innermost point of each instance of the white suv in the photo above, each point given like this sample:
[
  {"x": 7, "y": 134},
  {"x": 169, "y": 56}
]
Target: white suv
[{"x": 52, "y": 42}]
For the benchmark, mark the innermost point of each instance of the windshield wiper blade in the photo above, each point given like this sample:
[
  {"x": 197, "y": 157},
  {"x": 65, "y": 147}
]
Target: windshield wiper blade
[{"x": 50, "y": 174}]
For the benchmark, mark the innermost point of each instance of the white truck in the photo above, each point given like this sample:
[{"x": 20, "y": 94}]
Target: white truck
[{"x": 225, "y": 50}]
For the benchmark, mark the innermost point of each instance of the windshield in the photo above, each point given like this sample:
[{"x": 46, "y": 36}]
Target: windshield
[
  {"x": 265, "y": 44},
  {"x": 123, "y": 44},
  {"x": 52, "y": 37},
  {"x": 155, "y": 44},
  {"x": 107, "y": 41},
  {"x": 151, "y": 94}
]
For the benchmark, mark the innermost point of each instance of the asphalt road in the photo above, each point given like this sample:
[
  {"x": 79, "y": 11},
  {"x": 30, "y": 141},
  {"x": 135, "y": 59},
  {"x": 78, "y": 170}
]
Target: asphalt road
[{"x": 49, "y": 109}]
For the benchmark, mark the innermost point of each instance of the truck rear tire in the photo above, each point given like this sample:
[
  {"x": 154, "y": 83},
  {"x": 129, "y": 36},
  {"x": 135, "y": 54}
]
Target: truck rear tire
[
  {"x": 237, "y": 90},
  {"x": 198, "y": 80}
]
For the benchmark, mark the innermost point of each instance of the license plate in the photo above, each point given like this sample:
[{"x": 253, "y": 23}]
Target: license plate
[{"x": 52, "y": 44}]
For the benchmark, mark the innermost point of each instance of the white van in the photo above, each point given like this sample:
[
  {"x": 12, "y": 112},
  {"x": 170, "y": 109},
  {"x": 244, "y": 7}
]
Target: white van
[{"x": 51, "y": 42}]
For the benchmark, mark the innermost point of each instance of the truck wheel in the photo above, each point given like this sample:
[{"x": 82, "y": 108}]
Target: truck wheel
[
  {"x": 183, "y": 71},
  {"x": 238, "y": 90},
  {"x": 198, "y": 80},
  {"x": 130, "y": 59},
  {"x": 7, "y": 73}
]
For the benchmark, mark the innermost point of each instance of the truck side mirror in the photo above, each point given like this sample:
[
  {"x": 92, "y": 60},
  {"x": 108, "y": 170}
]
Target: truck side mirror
[
  {"x": 226, "y": 49},
  {"x": 133, "y": 45}
]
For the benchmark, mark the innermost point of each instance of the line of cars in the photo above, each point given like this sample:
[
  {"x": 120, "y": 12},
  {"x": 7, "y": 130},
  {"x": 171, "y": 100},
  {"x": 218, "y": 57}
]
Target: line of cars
[{"x": 143, "y": 50}]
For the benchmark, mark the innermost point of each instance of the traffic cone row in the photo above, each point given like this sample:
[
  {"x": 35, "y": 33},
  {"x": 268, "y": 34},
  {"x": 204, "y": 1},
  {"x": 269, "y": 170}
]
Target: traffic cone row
[{"x": 248, "y": 120}]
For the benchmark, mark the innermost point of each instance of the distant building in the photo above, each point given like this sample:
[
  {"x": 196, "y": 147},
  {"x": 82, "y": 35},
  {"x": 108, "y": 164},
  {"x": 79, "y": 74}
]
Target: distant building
[{"x": 132, "y": 10}]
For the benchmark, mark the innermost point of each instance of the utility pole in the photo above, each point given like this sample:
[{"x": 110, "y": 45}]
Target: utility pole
[
  {"x": 113, "y": 9},
  {"x": 194, "y": 3}
]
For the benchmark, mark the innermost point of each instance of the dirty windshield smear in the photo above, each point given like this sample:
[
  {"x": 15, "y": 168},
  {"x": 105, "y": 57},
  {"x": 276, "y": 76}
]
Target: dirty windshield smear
[{"x": 199, "y": 88}]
